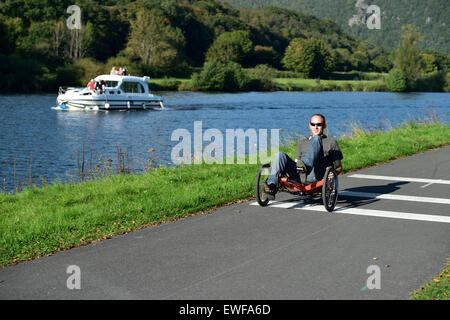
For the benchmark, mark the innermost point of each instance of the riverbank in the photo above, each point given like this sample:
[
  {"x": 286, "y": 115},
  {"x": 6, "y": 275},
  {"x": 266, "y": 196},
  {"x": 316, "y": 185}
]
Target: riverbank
[
  {"x": 284, "y": 84},
  {"x": 266, "y": 79},
  {"x": 40, "y": 221},
  {"x": 274, "y": 80}
]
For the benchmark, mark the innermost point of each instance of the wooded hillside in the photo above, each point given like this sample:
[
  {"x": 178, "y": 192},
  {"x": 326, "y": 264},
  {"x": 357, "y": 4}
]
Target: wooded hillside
[
  {"x": 430, "y": 16},
  {"x": 156, "y": 37}
]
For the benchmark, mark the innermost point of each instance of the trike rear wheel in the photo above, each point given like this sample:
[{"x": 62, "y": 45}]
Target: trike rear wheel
[{"x": 263, "y": 174}]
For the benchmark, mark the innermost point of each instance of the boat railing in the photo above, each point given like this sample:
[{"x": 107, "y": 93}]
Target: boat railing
[{"x": 63, "y": 90}]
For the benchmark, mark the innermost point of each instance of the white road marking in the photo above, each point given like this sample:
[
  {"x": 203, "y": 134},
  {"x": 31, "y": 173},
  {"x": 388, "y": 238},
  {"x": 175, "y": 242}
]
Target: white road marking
[
  {"x": 378, "y": 213},
  {"x": 362, "y": 212},
  {"x": 394, "y": 197},
  {"x": 423, "y": 180},
  {"x": 426, "y": 185}
]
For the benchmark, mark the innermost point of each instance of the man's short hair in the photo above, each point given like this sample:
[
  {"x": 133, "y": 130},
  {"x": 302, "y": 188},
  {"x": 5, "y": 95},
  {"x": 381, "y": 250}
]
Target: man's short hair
[{"x": 320, "y": 115}]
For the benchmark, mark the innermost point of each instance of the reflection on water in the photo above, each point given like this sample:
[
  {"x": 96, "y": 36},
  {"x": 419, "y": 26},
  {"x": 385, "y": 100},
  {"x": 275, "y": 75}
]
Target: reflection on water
[{"x": 31, "y": 128}]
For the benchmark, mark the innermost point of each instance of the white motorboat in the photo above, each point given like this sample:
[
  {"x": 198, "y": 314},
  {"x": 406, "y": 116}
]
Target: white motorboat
[{"x": 120, "y": 92}]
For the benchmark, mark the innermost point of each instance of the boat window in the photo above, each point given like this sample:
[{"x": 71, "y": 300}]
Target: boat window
[
  {"x": 132, "y": 87},
  {"x": 111, "y": 84}
]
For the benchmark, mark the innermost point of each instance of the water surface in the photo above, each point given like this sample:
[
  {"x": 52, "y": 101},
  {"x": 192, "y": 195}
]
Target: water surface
[{"x": 29, "y": 127}]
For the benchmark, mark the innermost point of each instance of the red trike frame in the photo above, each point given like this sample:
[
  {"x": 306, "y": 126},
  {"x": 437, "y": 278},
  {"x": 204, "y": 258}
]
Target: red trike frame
[
  {"x": 293, "y": 186},
  {"x": 328, "y": 190}
]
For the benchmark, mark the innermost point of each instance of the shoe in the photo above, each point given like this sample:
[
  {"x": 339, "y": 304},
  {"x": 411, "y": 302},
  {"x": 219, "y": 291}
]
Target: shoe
[
  {"x": 269, "y": 190},
  {"x": 301, "y": 167},
  {"x": 302, "y": 171}
]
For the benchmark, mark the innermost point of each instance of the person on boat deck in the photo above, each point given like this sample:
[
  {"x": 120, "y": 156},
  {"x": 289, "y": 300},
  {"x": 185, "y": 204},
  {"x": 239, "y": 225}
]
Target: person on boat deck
[
  {"x": 91, "y": 85},
  {"x": 120, "y": 72},
  {"x": 125, "y": 71},
  {"x": 314, "y": 154},
  {"x": 99, "y": 87},
  {"x": 113, "y": 71}
]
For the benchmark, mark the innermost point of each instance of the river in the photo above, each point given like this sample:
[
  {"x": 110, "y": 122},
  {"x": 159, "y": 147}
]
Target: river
[{"x": 31, "y": 132}]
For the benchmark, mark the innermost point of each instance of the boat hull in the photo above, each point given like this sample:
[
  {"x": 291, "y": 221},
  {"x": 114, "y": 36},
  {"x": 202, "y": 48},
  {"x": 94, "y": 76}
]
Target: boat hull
[
  {"x": 76, "y": 104},
  {"x": 99, "y": 104},
  {"x": 109, "y": 102}
]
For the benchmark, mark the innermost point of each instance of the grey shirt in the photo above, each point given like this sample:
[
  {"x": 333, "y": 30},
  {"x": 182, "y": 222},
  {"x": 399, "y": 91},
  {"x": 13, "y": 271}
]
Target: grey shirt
[{"x": 331, "y": 150}]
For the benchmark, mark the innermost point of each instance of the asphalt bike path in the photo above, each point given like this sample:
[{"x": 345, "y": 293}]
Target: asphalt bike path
[{"x": 389, "y": 234}]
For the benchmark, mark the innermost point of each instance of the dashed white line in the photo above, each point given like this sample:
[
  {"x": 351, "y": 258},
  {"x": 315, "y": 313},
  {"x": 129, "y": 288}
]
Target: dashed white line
[
  {"x": 362, "y": 212},
  {"x": 422, "y": 180},
  {"x": 394, "y": 197}
]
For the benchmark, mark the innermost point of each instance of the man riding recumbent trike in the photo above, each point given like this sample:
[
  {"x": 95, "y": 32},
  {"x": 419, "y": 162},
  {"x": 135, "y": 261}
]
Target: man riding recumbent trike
[{"x": 314, "y": 171}]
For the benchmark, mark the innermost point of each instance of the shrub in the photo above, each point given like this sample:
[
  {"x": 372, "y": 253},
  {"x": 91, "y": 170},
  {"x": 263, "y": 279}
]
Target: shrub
[
  {"x": 219, "y": 76},
  {"x": 347, "y": 87},
  {"x": 69, "y": 75},
  {"x": 433, "y": 82},
  {"x": 21, "y": 72},
  {"x": 261, "y": 78},
  {"x": 395, "y": 81}
]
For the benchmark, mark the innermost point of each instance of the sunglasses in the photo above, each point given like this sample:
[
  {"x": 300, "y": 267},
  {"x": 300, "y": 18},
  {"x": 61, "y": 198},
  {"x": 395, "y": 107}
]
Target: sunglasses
[{"x": 316, "y": 124}]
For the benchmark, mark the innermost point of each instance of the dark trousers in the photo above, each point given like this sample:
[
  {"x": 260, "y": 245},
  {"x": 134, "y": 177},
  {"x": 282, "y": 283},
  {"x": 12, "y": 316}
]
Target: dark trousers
[{"x": 314, "y": 161}]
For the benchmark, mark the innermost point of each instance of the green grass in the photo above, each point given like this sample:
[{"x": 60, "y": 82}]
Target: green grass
[
  {"x": 375, "y": 83},
  {"x": 298, "y": 84},
  {"x": 167, "y": 84},
  {"x": 40, "y": 221},
  {"x": 436, "y": 289}
]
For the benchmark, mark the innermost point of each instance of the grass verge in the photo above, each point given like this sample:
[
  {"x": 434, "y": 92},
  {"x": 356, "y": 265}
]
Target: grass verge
[
  {"x": 40, "y": 221},
  {"x": 436, "y": 289}
]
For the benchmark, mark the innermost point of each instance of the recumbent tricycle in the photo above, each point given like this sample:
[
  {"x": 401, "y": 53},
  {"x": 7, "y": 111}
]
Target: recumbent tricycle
[{"x": 327, "y": 187}]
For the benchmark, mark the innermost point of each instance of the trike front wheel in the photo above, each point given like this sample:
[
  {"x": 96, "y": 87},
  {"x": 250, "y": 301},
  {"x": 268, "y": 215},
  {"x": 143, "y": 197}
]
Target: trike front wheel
[{"x": 330, "y": 189}]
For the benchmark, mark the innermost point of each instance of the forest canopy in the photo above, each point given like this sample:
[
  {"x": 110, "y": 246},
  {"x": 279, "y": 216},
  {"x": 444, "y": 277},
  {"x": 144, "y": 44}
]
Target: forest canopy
[{"x": 165, "y": 38}]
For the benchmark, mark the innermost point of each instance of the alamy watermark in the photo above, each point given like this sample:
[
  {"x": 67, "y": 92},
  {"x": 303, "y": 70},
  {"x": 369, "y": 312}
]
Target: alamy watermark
[
  {"x": 74, "y": 280},
  {"x": 235, "y": 145},
  {"x": 74, "y": 21},
  {"x": 374, "y": 21},
  {"x": 374, "y": 280},
  {"x": 360, "y": 18}
]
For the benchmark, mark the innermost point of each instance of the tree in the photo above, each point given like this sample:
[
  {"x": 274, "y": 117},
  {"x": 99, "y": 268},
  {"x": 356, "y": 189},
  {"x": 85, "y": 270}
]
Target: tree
[
  {"x": 39, "y": 35},
  {"x": 11, "y": 33},
  {"x": 265, "y": 55},
  {"x": 233, "y": 46},
  {"x": 154, "y": 41},
  {"x": 442, "y": 60},
  {"x": 408, "y": 58},
  {"x": 359, "y": 61},
  {"x": 342, "y": 59},
  {"x": 429, "y": 63},
  {"x": 310, "y": 57},
  {"x": 382, "y": 64}
]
